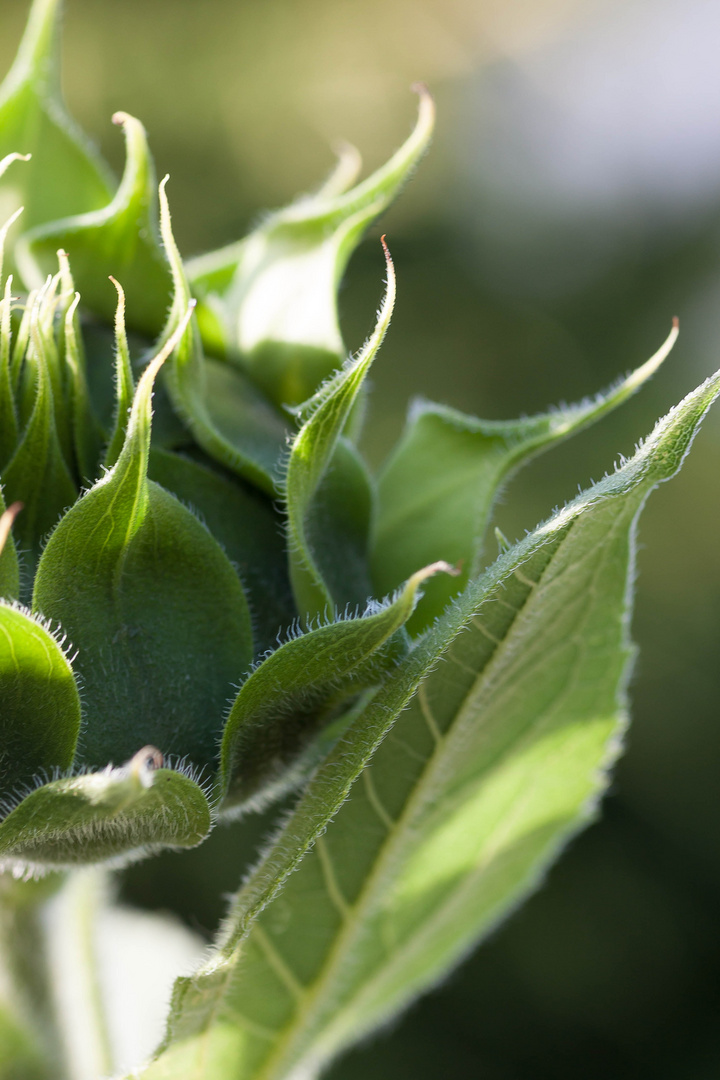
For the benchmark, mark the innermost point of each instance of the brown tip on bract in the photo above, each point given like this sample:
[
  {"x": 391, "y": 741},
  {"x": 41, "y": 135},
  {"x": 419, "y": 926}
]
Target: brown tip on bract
[
  {"x": 149, "y": 757},
  {"x": 439, "y": 567},
  {"x": 676, "y": 323},
  {"x": 143, "y": 764},
  {"x": 6, "y": 521}
]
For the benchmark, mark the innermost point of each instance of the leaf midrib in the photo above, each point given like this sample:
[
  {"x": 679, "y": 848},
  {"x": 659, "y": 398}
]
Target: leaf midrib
[
  {"x": 411, "y": 945},
  {"x": 385, "y": 852}
]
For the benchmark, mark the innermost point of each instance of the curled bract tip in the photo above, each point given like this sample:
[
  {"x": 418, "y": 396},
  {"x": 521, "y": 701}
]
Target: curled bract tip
[{"x": 439, "y": 567}]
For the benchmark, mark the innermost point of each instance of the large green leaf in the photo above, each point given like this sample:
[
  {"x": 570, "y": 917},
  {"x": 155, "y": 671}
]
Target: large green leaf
[
  {"x": 272, "y": 298},
  {"x": 153, "y": 605},
  {"x": 316, "y": 535},
  {"x": 120, "y": 240},
  {"x": 65, "y": 176},
  {"x": 228, "y": 416},
  {"x": 280, "y": 706},
  {"x": 138, "y": 808},
  {"x": 40, "y": 711},
  {"x": 497, "y": 755},
  {"x": 436, "y": 492}
]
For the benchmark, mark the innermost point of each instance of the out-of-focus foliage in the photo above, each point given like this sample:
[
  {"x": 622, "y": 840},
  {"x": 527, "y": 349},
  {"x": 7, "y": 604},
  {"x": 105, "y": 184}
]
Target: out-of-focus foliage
[{"x": 613, "y": 968}]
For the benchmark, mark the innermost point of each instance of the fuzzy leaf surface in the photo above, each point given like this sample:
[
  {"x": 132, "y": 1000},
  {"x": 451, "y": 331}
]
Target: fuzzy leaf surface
[
  {"x": 249, "y": 530},
  {"x": 9, "y": 568},
  {"x": 120, "y": 239},
  {"x": 279, "y": 708},
  {"x": 499, "y": 758},
  {"x": 38, "y": 474},
  {"x": 228, "y": 416},
  {"x": 436, "y": 492},
  {"x": 40, "y": 716},
  {"x": 102, "y": 815},
  {"x": 153, "y": 605},
  {"x": 272, "y": 298},
  {"x": 33, "y": 120},
  {"x": 312, "y": 531}
]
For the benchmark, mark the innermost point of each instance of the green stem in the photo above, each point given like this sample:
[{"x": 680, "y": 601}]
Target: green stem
[{"x": 70, "y": 922}]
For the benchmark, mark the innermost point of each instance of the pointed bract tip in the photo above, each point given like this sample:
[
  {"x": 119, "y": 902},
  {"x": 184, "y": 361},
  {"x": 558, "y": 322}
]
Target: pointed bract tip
[
  {"x": 676, "y": 323},
  {"x": 6, "y": 521},
  {"x": 169, "y": 347}
]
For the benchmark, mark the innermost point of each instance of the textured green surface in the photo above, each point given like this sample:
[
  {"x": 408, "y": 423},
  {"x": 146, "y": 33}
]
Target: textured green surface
[
  {"x": 249, "y": 529},
  {"x": 279, "y": 708},
  {"x": 121, "y": 239},
  {"x": 40, "y": 710},
  {"x": 310, "y": 459},
  {"x": 116, "y": 812},
  {"x": 228, "y": 416},
  {"x": 499, "y": 758},
  {"x": 271, "y": 298},
  {"x": 437, "y": 491},
  {"x": 9, "y": 570},
  {"x": 38, "y": 474},
  {"x": 153, "y": 605},
  {"x": 33, "y": 121}
]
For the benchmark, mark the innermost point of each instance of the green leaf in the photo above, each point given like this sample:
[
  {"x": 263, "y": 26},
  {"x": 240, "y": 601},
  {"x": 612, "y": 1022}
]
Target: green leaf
[
  {"x": 437, "y": 491},
  {"x": 279, "y": 708},
  {"x": 8, "y": 409},
  {"x": 121, "y": 240},
  {"x": 248, "y": 528},
  {"x": 66, "y": 176},
  {"x": 124, "y": 381},
  {"x": 40, "y": 702},
  {"x": 9, "y": 569},
  {"x": 310, "y": 459},
  {"x": 229, "y": 417},
  {"x": 87, "y": 434},
  {"x": 152, "y": 604},
  {"x": 38, "y": 474},
  {"x": 338, "y": 527},
  {"x": 128, "y": 811},
  {"x": 272, "y": 298},
  {"x": 497, "y": 755}
]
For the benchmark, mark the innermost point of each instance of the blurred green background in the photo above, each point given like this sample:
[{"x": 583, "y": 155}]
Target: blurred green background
[{"x": 569, "y": 208}]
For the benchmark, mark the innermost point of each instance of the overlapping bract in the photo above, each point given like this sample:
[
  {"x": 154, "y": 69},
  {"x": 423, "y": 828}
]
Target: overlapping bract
[
  {"x": 156, "y": 547},
  {"x": 192, "y": 549},
  {"x": 182, "y": 556}
]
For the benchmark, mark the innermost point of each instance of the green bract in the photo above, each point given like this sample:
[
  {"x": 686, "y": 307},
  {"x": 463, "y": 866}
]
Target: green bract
[{"x": 204, "y": 608}]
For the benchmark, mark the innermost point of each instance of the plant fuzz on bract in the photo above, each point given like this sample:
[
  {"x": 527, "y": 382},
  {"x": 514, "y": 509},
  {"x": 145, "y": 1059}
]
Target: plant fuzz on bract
[{"x": 251, "y": 611}]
